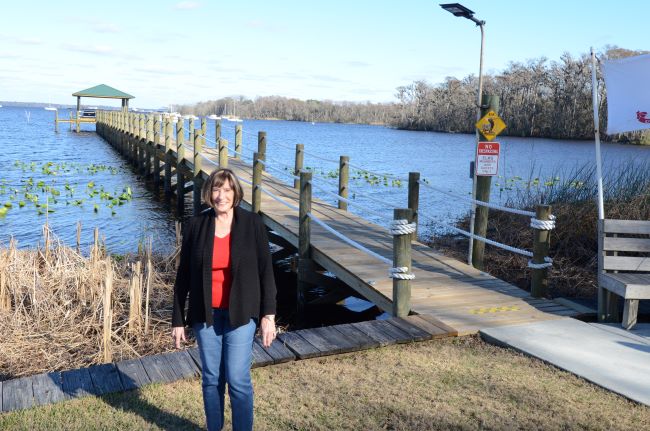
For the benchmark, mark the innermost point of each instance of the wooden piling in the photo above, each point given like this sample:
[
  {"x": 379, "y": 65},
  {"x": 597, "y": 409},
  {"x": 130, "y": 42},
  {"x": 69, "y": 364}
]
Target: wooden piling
[
  {"x": 56, "y": 121},
  {"x": 217, "y": 130},
  {"x": 156, "y": 143},
  {"x": 180, "y": 132},
  {"x": 304, "y": 237},
  {"x": 180, "y": 179},
  {"x": 261, "y": 146},
  {"x": 297, "y": 167},
  {"x": 167, "y": 128},
  {"x": 141, "y": 144},
  {"x": 197, "y": 179},
  {"x": 148, "y": 140},
  {"x": 223, "y": 153},
  {"x": 483, "y": 187},
  {"x": 414, "y": 200},
  {"x": 190, "y": 126},
  {"x": 402, "y": 258},
  {"x": 238, "y": 141},
  {"x": 541, "y": 242},
  {"x": 344, "y": 179},
  {"x": 204, "y": 126},
  {"x": 71, "y": 121},
  {"x": 256, "y": 199}
]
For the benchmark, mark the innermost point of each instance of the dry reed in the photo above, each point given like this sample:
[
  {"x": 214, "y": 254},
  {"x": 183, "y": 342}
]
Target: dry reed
[{"x": 61, "y": 310}]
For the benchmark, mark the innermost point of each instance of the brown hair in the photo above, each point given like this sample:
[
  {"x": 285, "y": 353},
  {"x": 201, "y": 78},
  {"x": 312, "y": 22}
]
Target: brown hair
[{"x": 217, "y": 179}]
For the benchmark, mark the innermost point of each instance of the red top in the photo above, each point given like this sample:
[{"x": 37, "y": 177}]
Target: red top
[{"x": 221, "y": 275}]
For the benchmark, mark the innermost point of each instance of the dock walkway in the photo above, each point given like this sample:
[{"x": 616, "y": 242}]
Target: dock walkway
[
  {"x": 97, "y": 380},
  {"x": 453, "y": 292}
]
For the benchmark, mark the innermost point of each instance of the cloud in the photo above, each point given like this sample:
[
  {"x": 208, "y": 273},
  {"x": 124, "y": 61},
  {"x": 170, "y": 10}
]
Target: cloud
[
  {"x": 187, "y": 5},
  {"x": 265, "y": 26},
  {"x": 29, "y": 41},
  {"x": 356, "y": 64},
  {"x": 328, "y": 78},
  {"x": 94, "y": 24},
  {"x": 158, "y": 70},
  {"x": 94, "y": 49},
  {"x": 106, "y": 27}
]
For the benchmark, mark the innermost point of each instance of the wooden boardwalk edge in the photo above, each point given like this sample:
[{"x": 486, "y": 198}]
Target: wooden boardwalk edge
[{"x": 49, "y": 388}]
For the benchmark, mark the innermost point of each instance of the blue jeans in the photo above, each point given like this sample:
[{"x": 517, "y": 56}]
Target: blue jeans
[{"x": 226, "y": 357}]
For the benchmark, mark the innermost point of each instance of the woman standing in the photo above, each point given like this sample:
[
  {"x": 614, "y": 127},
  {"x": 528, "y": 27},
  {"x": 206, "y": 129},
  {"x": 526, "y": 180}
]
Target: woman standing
[{"x": 227, "y": 272}]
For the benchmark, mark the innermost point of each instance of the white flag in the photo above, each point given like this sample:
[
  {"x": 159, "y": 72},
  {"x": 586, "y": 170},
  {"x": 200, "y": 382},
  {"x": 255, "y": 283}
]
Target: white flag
[{"x": 628, "y": 93}]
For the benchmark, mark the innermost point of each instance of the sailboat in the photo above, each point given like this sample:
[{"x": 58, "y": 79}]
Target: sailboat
[
  {"x": 50, "y": 108},
  {"x": 234, "y": 116}
]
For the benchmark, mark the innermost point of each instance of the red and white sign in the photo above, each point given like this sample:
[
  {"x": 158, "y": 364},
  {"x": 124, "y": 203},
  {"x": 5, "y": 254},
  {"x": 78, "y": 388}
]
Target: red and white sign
[{"x": 487, "y": 159}]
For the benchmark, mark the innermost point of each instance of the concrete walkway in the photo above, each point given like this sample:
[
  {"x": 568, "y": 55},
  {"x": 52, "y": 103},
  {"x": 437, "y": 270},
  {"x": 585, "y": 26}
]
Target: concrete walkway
[{"x": 603, "y": 354}]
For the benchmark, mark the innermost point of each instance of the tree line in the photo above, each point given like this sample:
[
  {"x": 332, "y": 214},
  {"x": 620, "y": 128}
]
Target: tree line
[{"x": 538, "y": 98}]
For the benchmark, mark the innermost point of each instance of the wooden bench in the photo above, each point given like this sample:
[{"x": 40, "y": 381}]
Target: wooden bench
[{"x": 623, "y": 268}]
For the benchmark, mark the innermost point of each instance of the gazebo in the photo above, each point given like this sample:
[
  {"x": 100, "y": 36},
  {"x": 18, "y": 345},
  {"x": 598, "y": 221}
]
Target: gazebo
[{"x": 105, "y": 92}]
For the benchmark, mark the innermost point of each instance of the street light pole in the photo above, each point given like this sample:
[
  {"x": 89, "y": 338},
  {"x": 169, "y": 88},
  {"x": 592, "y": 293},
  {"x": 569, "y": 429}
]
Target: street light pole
[{"x": 459, "y": 10}]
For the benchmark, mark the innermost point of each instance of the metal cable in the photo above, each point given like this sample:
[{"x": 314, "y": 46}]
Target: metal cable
[
  {"x": 348, "y": 240},
  {"x": 477, "y": 202}
]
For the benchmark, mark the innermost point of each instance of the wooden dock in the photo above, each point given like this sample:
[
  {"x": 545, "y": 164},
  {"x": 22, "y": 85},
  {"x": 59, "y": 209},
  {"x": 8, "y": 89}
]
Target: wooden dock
[
  {"x": 456, "y": 294},
  {"x": 49, "y": 388},
  {"x": 451, "y": 291}
]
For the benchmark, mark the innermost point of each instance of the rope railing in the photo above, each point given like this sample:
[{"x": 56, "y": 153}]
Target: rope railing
[
  {"x": 548, "y": 261},
  {"x": 277, "y": 198},
  {"x": 285, "y": 170}
]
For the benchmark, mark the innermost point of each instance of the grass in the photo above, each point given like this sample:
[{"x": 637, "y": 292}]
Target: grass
[{"x": 460, "y": 383}]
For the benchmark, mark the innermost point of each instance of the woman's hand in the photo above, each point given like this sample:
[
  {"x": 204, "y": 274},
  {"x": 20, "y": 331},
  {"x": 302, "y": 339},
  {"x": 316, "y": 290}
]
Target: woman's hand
[
  {"x": 267, "y": 330},
  {"x": 178, "y": 335}
]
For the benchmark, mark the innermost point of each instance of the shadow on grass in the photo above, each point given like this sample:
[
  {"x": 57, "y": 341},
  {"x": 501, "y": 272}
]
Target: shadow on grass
[{"x": 132, "y": 401}]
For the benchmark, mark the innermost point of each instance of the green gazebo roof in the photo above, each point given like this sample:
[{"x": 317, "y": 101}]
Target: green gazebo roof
[{"x": 103, "y": 90}]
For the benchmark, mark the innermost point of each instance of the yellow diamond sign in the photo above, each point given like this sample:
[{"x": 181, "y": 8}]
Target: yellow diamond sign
[{"x": 490, "y": 125}]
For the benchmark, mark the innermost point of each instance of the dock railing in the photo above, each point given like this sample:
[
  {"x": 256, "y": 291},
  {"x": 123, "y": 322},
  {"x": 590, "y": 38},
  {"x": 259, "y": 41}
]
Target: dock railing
[{"x": 402, "y": 225}]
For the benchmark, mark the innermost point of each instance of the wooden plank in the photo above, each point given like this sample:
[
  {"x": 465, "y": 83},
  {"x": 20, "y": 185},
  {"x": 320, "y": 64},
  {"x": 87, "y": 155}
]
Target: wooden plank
[
  {"x": 626, "y": 263},
  {"x": 343, "y": 344},
  {"x": 374, "y": 332},
  {"x": 181, "y": 364},
  {"x": 626, "y": 285},
  {"x": 260, "y": 357},
  {"x": 105, "y": 378},
  {"x": 17, "y": 394},
  {"x": 361, "y": 340},
  {"x": 626, "y": 244},
  {"x": 298, "y": 345},
  {"x": 431, "y": 329},
  {"x": 196, "y": 357},
  {"x": 158, "y": 369},
  {"x": 47, "y": 388},
  {"x": 132, "y": 374},
  {"x": 277, "y": 351},
  {"x": 641, "y": 227},
  {"x": 414, "y": 331},
  {"x": 325, "y": 346},
  {"x": 77, "y": 383},
  {"x": 579, "y": 308},
  {"x": 436, "y": 322}
]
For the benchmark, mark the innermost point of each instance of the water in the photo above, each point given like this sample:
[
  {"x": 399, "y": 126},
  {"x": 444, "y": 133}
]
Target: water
[
  {"x": 443, "y": 159},
  {"x": 78, "y": 160}
]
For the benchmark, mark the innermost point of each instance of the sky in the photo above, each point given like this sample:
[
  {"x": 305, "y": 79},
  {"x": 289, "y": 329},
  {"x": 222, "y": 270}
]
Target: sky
[{"x": 169, "y": 52}]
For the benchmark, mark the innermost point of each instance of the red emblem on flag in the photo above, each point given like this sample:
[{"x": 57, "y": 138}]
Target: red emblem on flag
[{"x": 641, "y": 116}]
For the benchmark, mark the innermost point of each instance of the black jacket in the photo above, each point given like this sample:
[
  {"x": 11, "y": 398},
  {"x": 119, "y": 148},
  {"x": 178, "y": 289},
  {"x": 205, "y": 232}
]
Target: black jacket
[{"x": 252, "y": 293}]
